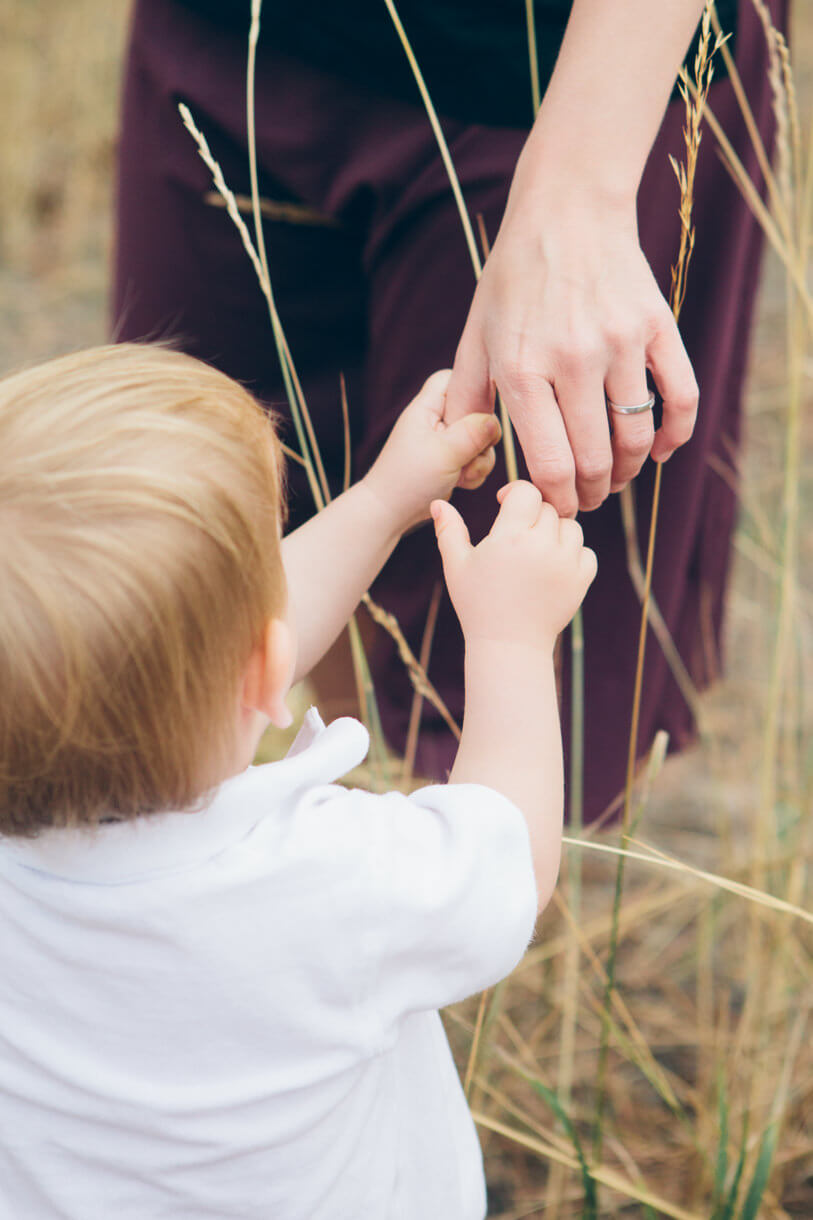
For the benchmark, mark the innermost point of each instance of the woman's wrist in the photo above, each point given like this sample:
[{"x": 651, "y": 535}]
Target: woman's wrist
[
  {"x": 596, "y": 125},
  {"x": 550, "y": 173}
]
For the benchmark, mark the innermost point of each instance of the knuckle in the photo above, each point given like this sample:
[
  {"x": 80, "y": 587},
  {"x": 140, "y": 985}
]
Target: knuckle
[
  {"x": 554, "y": 470},
  {"x": 522, "y": 377},
  {"x": 623, "y": 333},
  {"x": 583, "y": 352},
  {"x": 659, "y": 318},
  {"x": 636, "y": 441},
  {"x": 589, "y": 503},
  {"x": 564, "y": 502},
  {"x": 593, "y": 467},
  {"x": 686, "y": 402},
  {"x": 680, "y": 427}
]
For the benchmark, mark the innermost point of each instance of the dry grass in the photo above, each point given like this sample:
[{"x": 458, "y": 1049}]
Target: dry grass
[
  {"x": 59, "y": 79},
  {"x": 711, "y": 1030}
]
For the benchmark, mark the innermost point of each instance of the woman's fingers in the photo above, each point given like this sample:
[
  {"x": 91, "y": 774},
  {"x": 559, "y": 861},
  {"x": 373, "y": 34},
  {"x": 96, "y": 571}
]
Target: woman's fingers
[
  {"x": 580, "y": 394},
  {"x": 531, "y": 403},
  {"x": 677, "y": 385},
  {"x": 470, "y": 387},
  {"x": 554, "y": 361},
  {"x": 626, "y": 386}
]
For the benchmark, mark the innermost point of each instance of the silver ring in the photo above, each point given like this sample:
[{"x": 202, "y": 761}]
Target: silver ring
[{"x": 634, "y": 410}]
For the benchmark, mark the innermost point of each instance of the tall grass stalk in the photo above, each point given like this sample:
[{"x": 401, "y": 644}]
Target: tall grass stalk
[
  {"x": 694, "y": 105},
  {"x": 533, "y": 58},
  {"x": 575, "y": 796},
  {"x": 462, "y": 211},
  {"x": 779, "y": 773},
  {"x": 309, "y": 456},
  {"x": 296, "y": 399},
  {"x": 654, "y": 856},
  {"x": 657, "y": 623},
  {"x": 309, "y": 446},
  {"x": 602, "y": 1174},
  {"x": 414, "y": 727}
]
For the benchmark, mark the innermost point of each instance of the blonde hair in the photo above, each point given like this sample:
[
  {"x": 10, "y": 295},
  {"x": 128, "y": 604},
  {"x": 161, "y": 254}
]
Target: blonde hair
[{"x": 140, "y": 503}]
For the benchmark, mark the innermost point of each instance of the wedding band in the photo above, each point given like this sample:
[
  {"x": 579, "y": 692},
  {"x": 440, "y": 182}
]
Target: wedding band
[{"x": 633, "y": 410}]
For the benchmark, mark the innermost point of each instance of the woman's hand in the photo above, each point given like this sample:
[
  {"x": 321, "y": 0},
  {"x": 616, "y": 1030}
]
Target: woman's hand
[
  {"x": 567, "y": 309},
  {"x": 566, "y": 312}
]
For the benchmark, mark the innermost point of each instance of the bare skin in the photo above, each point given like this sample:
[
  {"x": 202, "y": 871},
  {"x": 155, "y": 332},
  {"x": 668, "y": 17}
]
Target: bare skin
[
  {"x": 567, "y": 309},
  {"x": 513, "y": 593}
]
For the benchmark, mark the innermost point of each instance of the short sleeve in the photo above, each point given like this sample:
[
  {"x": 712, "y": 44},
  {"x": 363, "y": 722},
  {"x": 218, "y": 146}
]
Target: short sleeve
[{"x": 444, "y": 898}]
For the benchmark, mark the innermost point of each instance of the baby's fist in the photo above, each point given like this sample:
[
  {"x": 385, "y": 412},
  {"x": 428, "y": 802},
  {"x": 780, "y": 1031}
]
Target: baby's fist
[
  {"x": 524, "y": 582},
  {"x": 425, "y": 458}
]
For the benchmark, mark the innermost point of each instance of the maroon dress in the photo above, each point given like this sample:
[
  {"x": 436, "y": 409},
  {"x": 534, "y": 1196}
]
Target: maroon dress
[{"x": 373, "y": 279}]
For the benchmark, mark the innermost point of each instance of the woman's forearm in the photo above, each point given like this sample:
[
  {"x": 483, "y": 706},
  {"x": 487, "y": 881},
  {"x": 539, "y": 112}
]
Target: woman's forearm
[{"x": 613, "y": 78}]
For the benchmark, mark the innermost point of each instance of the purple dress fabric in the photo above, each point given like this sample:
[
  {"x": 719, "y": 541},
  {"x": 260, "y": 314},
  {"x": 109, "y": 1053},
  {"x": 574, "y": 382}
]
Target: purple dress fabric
[{"x": 377, "y": 285}]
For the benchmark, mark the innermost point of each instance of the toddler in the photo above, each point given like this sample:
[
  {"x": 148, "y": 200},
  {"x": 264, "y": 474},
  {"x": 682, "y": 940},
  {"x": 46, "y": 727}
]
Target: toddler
[{"x": 219, "y": 982}]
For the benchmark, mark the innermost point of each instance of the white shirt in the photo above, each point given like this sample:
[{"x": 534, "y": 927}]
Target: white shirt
[{"x": 232, "y": 1013}]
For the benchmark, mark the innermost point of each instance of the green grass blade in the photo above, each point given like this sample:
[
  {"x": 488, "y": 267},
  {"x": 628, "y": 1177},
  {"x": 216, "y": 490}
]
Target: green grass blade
[
  {"x": 588, "y": 1181},
  {"x": 721, "y": 1168},
  {"x": 727, "y": 1211},
  {"x": 762, "y": 1171}
]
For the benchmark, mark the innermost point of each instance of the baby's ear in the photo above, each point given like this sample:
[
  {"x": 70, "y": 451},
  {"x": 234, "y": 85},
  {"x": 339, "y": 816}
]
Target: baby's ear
[{"x": 269, "y": 672}]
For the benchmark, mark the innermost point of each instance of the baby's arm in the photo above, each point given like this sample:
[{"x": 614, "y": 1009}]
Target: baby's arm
[
  {"x": 513, "y": 594},
  {"x": 333, "y": 559},
  {"x": 330, "y": 562}
]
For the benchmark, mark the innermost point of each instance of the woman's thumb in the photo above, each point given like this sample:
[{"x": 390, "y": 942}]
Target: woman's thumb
[{"x": 452, "y": 535}]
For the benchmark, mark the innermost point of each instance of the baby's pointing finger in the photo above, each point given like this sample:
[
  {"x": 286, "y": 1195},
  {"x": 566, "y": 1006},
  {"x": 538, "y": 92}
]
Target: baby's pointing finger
[{"x": 520, "y": 506}]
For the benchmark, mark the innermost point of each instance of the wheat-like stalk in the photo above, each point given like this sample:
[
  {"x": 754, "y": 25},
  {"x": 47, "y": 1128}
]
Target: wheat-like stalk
[{"x": 694, "y": 103}]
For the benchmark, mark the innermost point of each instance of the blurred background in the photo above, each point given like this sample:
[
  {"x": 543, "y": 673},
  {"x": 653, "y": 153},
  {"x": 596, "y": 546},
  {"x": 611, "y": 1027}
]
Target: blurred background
[{"x": 59, "y": 79}]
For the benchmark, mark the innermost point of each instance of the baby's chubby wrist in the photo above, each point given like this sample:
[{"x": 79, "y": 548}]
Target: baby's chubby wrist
[
  {"x": 511, "y": 651},
  {"x": 384, "y": 504},
  {"x": 498, "y": 669}
]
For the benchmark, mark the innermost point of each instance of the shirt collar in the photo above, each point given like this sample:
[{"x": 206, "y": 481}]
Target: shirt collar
[{"x": 121, "y": 852}]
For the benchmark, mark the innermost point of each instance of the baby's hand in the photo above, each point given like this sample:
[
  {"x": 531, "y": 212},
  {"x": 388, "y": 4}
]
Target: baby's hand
[
  {"x": 424, "y": 459},
  {"x": 524, "y": 582}
]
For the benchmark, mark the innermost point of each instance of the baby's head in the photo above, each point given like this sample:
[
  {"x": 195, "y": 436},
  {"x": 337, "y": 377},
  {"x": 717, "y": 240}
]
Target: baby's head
[{"x": 140, "y": 566}]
